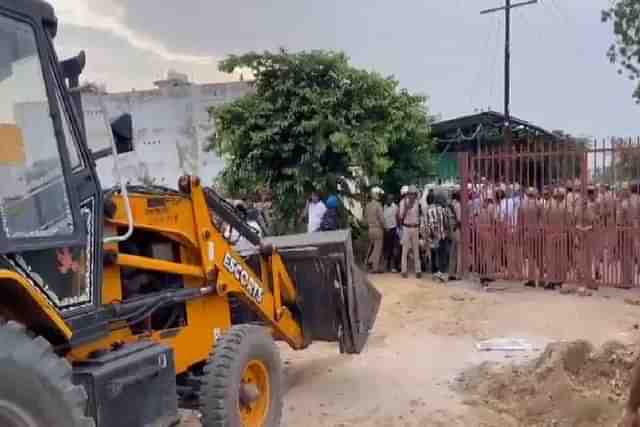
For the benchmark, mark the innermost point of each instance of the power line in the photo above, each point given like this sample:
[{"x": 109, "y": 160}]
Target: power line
[
  {"x": 481, "y": 64},
  {"x": 507, "y": 57},
  {"x": 492, "y": 70},
  {"x": 561, "y": 12},
  {"x": 551, "y": 7},
  {"x": 569, "y": 34}
]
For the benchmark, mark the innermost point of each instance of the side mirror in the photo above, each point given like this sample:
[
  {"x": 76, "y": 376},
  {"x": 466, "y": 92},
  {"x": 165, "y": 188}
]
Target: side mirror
[
  {"x": 73, "y": 67},
  {"x": 122, "y": 130},
  {"x": 8, "y": 41},
  {"x": 71, "y": 70}
]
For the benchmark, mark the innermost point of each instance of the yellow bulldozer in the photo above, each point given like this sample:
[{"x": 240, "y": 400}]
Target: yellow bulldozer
[{"x": 120, "y": 306}]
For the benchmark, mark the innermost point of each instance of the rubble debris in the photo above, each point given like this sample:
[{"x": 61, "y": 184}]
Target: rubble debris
[
  {"x": 570, "y": 382},
  {"x": 584, "y": 292},
  {"x": 568, "y": 290},
  {"x": 504, "y": 344},
  {"x": 495, "y": 288},
  {"x": 632, "y": 301}
]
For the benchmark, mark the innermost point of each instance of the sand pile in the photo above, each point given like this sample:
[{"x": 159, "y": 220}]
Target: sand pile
[{"x": 570, "y": 384}]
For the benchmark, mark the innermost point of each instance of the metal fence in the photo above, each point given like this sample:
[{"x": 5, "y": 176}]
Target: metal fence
[{"x": 553, "y": 212}]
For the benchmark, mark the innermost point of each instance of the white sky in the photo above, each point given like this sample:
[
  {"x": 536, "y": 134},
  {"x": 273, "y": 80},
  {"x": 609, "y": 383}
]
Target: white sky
[{"x": 561, "y": 78}]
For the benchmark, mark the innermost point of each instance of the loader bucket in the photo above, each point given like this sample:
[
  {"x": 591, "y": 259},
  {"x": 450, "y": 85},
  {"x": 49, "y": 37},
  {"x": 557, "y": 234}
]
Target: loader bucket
[{"x": 337, "y": 302}]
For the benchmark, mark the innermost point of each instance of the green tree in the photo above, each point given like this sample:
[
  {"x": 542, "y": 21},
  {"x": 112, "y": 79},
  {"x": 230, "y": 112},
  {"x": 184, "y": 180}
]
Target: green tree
[
  {"x": 312, "y": 120},
  {"x": 625, "y": 50}
]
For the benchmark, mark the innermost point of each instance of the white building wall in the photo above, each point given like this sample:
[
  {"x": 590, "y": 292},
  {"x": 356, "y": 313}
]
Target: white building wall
[{"x": 171, "y": 130}]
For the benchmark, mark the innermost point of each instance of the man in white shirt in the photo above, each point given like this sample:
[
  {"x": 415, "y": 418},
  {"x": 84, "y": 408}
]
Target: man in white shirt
[
  {"x": 391, "y": 257},
  {"x": 507, "y": 208},
  {"x": 314, "y": 211},
  {"x": 239, "y": 242}
]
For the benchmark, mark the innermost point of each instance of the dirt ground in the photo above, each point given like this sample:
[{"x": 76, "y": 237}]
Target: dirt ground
[
  {"x": 570, "y": 384},
  {"x": 421, "y": 366}
]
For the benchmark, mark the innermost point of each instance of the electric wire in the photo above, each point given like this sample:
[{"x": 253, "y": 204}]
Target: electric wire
[
  {"x": 492, "y": 72},
  {"x": 476, "y": 80}
]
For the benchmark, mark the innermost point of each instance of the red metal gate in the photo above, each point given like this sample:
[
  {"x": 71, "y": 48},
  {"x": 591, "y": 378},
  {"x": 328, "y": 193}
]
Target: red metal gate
[{"x": 566, "y": 211}]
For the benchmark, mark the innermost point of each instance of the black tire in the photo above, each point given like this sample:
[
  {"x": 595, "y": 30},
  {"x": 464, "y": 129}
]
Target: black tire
[
  {"x": 36, "y": 388},
  {"x": 241, "y": 345}
]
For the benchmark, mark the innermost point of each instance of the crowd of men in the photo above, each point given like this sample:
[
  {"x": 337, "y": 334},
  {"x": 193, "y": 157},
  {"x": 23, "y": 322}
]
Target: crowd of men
[
  {"x": 570, "y": 231},
  {"x": 575, "y": 231},
  {"x": 422, "y": 228},
  {"x": 413, "y": 231}
]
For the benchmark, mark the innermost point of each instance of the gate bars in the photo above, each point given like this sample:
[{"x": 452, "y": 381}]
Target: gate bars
[{"x": 566, "y": 210}]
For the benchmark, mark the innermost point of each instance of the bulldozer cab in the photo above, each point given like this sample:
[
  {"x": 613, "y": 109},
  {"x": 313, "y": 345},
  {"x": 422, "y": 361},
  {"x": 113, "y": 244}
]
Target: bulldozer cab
[{"x": 50, "y": 199}]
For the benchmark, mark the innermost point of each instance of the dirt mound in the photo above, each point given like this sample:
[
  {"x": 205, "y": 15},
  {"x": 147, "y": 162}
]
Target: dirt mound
[{"x": 570, "y": 384}]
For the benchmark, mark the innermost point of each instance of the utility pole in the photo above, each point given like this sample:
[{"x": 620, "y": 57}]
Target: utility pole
[{"x": 507, "y": 60}]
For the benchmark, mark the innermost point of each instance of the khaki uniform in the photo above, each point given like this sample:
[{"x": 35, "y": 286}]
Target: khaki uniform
[
  {"x": 374, "y": 215},
  {"x": 410, "y": 217},
  {"x": 486, "y": 241},
  {"x": 634, "y": 209},
  {"x": 573, "y": 207},
  {"x": 573, "y": 202},
  {"x": 455, "y": 266},
  {"x": 625, "y": 220},
  {"x": 532, "y": 236},
  {"x": 628, "y": 219},
  {"x": 556, "y": 241},
  {"x": 607, "y": 210},
  {"x": 589, "y": 252}
]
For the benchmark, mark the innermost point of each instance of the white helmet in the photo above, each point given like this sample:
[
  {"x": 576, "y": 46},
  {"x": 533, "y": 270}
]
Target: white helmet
[{"x": 404, "y": 190}]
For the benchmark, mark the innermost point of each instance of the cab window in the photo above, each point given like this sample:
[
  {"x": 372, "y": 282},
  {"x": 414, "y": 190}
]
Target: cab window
[
  {"x": 33, "y": 195},
  {"x": 69, "y": 138}
]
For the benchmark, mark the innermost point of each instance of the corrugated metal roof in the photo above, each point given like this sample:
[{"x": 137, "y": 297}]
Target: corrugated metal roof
[{"x": 486, "y": 118}]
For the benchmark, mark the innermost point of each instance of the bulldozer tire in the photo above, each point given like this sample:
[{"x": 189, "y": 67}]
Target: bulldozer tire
[
  {"x": 36, "y": 388},
  {"x": 243, "y": 383}
]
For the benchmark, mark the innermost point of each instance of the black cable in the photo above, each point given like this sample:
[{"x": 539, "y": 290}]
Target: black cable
[
  {"x": 166, "y": 299},
  {"x": 471, "y": 93},
  {"x": 494, "y": 61},
  {"x": 141, "y": 310},
  {"x": 146, "y": 189},
  {"x": 146, "y": 312},
  {"x": 172, "y": 318}
]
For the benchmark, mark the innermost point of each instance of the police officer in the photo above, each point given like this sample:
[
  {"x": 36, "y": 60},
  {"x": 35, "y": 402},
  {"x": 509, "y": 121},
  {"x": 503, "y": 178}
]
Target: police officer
[
  {"x": 374, "y": 214},
  {"x": 409, "y": 213}
]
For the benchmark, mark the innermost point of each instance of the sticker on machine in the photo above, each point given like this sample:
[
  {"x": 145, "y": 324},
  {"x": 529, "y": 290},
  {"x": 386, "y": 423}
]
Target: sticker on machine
[{"x": 248, "y": 283}]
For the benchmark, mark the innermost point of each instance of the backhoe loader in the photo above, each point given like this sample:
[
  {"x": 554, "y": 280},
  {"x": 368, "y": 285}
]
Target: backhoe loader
[{"x": 119, "y": 306}]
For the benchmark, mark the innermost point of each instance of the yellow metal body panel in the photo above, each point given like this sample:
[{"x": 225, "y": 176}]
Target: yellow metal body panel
[
  {"x": 12, "y": 145},
  {"x": 191, "y": 344},
  {"x": 111, "y": 285},
  {"x": 174, "y": 219},
  {"x": 206, "y": 318},
  {"x": 267, "y": 307},
  {"x": 145, "y": 263},
  {"x": 123, "y": 335},
  {"x": 206, "y": 258},
  {"x": 9, "y": 278}
]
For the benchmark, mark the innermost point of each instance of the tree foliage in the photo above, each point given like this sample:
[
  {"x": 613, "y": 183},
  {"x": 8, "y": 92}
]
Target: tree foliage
[
  {"x": 624, "y": 164},
  {"x": 314, "y": 119},
  {"x": 625, "y": 50}
]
